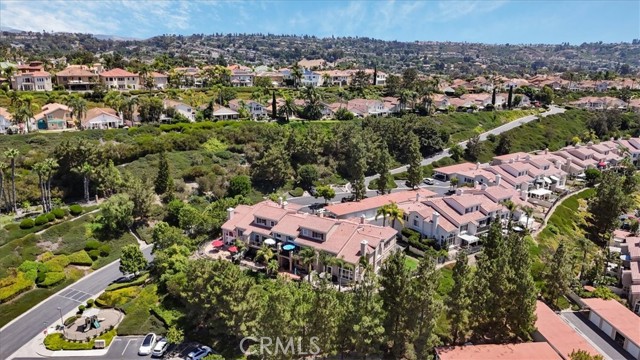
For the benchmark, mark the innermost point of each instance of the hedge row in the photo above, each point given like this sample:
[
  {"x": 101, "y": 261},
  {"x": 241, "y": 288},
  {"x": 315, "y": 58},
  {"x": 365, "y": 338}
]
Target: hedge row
[
  {"x": 57, "y": 263},
  {"x": 57, "y": 341},
  {"x": 52, "y": 278},
  {"x": 21, "y": 284},
  {"x": 80, "y": 258}
]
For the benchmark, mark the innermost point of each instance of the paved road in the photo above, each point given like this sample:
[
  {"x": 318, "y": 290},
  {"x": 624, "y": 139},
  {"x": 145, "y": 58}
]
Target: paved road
[
  {"x": 495, "y": 131},
  {"x": 594, "y": 335},
  {"x": 14, "y": 335}
]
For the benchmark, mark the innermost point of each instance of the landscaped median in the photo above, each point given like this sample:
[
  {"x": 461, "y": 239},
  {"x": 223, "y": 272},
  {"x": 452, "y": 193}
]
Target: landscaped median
[
  {"x": 56, "y": 341},
  {"x": 37, "y": 265}
]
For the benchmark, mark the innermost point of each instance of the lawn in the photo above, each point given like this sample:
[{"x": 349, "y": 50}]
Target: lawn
[
  {"x": 564, "y": 221},
  {"x": 139, "y": 319},
  {"x": 411, "y": 262},
  {"x": 461, "y": 126}
]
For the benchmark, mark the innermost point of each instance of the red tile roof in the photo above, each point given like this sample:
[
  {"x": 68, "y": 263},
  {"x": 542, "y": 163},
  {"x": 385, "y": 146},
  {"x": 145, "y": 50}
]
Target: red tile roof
[
  {"x": 523, "y": 351},
  {"x": 562, "y": 337},
  {"x": 343, "y": 209},
  {"x": 618, "y": 316},
  {"x": 117, "y": 72}
]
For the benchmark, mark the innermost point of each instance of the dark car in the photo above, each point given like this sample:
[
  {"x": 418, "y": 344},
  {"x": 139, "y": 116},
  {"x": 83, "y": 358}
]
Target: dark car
[{"x": 313, "y": 192}]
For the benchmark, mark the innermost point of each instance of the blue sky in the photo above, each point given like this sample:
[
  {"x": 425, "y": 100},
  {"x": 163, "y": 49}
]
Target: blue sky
[{"x": 488, "y": 21}]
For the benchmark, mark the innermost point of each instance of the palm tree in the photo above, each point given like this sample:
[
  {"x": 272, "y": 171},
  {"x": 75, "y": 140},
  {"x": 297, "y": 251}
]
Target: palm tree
[
  {"x": 40, "y": 168},
  {"x": 584, "y": 245},
  {"x": 52, "y": 164},
  {"x": 3, "y": 194},
  {"x": 296, "y": 74},
  {"x": 272, "y": 267},
  {"x": 8, "y": 72},
  {"x": 307, "y": 257},
  {"x": 12, "y": 154},
  {"x": 86, "y": 170},
  {"x": 264, "y": 254},
  {"x": 288, "y": 107},
  {"x": 528, "y": 210},
  {"x": 395, "y": 214},
  {"x": 384, "y": 212},
  {"x": 78, "y": 107},
  {"x": 511, "y": 206}
]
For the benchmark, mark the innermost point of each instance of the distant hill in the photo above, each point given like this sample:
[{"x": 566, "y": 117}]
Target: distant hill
[
  {"x": 449, "y": 58},
  {"x": 10, "y": 29}
]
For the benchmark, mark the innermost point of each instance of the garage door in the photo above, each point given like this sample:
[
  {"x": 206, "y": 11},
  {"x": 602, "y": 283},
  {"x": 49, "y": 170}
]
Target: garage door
[
  {"x": 633, "y": 350},
  {"x": 608, "y": 329},
  {"x": 594, "y": 318}
]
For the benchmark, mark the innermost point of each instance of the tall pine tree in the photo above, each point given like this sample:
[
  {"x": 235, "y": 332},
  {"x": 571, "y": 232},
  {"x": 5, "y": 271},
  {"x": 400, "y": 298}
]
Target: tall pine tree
[
  {"x": 558, "y": 276},
  {"x": 510, "y": 98},
  {"x": 426, "y": 307},
  {"x": 384, "y": 162},
  {"x": 357, "y": 164},
  {"x": 163, "y": 182},
  {"x": 522, "y": 307},
  {"x": 492, "y": 288},
  {"x": 395, "y": 277},
  {"x": 414, "y": 172},
  {"x": 459, "y": 300}
]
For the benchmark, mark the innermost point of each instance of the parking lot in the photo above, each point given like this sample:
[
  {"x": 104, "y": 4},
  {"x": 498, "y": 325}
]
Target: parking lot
[{"x": 126, "y": 348}]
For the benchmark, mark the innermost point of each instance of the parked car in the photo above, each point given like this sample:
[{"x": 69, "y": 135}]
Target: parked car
[
  {"x": 147, "y": 344},
  {"x": 313, "y": 192},
  {"x": 125, "y": 278},
  {"x": 161, "y": 347},
  {"x": 429, "y": 181},
  {"x": 199, "y": 353}
]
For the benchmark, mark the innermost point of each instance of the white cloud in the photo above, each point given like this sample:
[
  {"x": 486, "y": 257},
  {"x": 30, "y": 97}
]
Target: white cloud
[{"x": 452, "y": 10}]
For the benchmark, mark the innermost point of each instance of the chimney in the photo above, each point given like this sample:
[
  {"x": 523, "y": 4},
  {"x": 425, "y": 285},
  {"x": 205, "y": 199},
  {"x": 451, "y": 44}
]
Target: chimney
[
  {"x": 362, "y": 219},
  {"x": 475, "y": 184},
  {"x": 497, "y": 180},
  {"x": 284, "y": 204},
  {"x": 280, "y": 201},
  {"x": 417, "y": 197},
  {"x": 528, "y": 157},
  {"x": 230, "y": 213},
  {"x": 459, "y": 192},
  {"x": 568, "y": 165},
  {"x": 517, "y": 157},
  {"x": 524, "y": 195},
  {"x": 546, "y": 151},
  {"x": 435, "y": 217},
  {"x": 478, "y": 165},
  {"x": 511, "y": 161},
  {"x": 363, "y": 247},
  {"x": 483, "y": 186}
]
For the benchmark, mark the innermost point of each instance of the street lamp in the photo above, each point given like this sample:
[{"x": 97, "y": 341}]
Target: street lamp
[{"x": 61, "y": 321}]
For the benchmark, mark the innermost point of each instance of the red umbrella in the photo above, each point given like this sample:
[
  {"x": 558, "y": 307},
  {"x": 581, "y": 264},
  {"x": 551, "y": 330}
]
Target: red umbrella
[
  {"x": 218, "y": 243},
  {"x": 233, "y": 249}
]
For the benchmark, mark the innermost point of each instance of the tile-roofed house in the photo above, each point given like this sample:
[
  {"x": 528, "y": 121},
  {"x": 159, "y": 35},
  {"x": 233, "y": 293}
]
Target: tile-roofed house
[
  {"x": 242, "y": 77},
  {"x": 79, "y": 77},
  {"x": 522, "y": 351},
  {"x": 54, "y": 117},
  {"x": 447, "y": 172},
  {"x": 599, "y": 103},
  {"x": 101, "y": 118},
  {"x": 366, "y": 107},
  {"x": 255, "y": 109},
  {"x": 630, "y": 276},
  {"x": 160, "y": 80},
  {"x": 343, "y": 239},
  {"x": 563, "y": 338},
  {"x": 617, "y": 322},
  {"x": 120, "y": 79},
  {"x": 179, "y": 107},
  {"x": 223, "y": 113},
  {"x": 368, "y": 207},
  {"x": 39, "y": 80}
]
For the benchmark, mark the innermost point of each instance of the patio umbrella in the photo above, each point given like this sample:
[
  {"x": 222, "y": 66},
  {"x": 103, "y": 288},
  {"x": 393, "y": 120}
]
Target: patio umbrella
[
  {"x": 270, "y": 242},
  {"x": 217, "y": 243},
  {"x": 233, "y": 249}
]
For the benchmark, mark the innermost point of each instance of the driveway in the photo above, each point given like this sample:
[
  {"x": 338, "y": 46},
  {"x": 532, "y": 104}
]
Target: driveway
[{"x": 595, "y": 336}]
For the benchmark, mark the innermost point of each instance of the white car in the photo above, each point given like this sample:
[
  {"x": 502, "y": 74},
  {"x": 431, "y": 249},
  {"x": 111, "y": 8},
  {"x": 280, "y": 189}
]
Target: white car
[
  {"x": 429, "y": 181},
  {"x": 147, "y": 344},
  {"x": 161, "y": 348},
  {"x": 199, "y": 353}
]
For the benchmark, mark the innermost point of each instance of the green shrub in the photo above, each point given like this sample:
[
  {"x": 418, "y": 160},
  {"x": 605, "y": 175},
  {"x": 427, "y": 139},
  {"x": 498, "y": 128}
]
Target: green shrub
[
  {"x": 75, "y": 209},
  {"x": 92, "y": 245},
  {"x": 70, "y": 320},
  {"x": 52, "y": 278},
  {"x": 58, "y": 213},
  {"x": 80, "y": 258},
  {"x": 56, "y": 341},
  {"x": 90, "y": 303},
  {"x": 40, "y": 277},
  {"x": 94, "y": 254},
  {"x": 406, "y": 232},
  {"x": 57, "y": 263},
  {"x": 20, "y": 284},
  {"x": 51, "y": 217},
  {"x": 81, "y": 308},
  {"x": 27, "y": 224},
  {"x": 41, "y": 220},
  {"x": 297, "y": 192},
  {"x": 104, "y": 250},
  {"x": 46, "y": 256}
]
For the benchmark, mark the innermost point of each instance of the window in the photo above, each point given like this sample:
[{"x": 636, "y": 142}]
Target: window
[
  {"x": 415, "y": 222},
  {"x": 289, "y": 238},
  {"x": 636, "y": 309},
  {"x": 277, "y": 236},
  {"x": 305, "y": 232},
  {"x": 272, "y": 223},
  {"x": 317, "y": 235},
  {"x": 260, "y": 221},
  {"x": 346, "y": 274},
  {"x": 464, "y": 227},
  {"x": 120, "y": 79}
]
